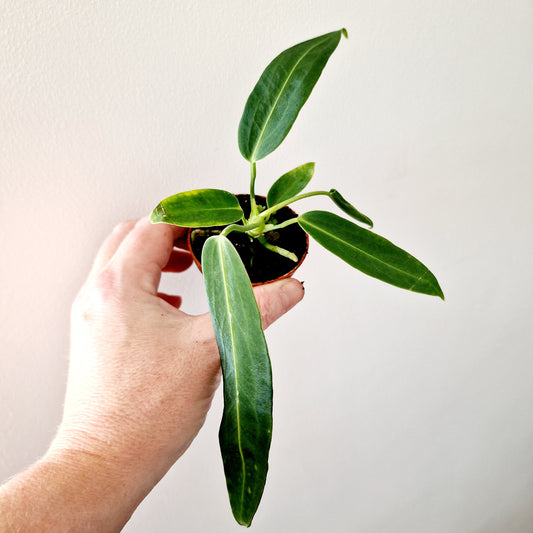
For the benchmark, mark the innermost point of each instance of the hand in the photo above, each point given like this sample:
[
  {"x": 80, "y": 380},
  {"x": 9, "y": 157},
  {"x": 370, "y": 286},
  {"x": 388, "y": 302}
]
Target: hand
[{"x": 142, "y": 373}]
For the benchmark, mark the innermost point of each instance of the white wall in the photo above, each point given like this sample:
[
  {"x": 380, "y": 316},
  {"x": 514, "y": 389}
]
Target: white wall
[{"x": 394, "y": 412}]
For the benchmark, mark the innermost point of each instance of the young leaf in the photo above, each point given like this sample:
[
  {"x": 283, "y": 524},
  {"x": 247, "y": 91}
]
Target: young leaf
[
  {"x": 280, "y": 93},
  {"x": 246, "y": 428},
  {"x": 348, "y": 208},
  {"x": 369, "y": 252},
  {"x": 198, "y": 208},
  {"x": 290, "y": 184}
]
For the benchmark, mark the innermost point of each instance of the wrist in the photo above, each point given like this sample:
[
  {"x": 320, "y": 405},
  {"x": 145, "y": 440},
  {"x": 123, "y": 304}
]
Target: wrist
[
  {"x": 126, "y": 458},
  {"x": 97, "y": 493},
  {"x": 108, "y": 476},
  {"x": 68, "y": 490},
  {"x": 113, "y": 468}
]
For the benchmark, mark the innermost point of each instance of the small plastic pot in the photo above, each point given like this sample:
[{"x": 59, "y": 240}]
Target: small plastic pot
[{"x": 263, "y": 266}]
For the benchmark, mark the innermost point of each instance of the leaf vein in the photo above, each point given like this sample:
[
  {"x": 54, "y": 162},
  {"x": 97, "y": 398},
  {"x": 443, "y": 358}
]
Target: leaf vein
[{"x": 236, "y": 373}]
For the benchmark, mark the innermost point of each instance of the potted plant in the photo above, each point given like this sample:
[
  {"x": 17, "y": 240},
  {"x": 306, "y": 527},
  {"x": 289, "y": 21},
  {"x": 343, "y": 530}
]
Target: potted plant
[{"x": 236, "y": 234}]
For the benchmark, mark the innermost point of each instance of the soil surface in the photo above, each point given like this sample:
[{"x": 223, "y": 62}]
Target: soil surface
[{"x": 261, "y": 264}]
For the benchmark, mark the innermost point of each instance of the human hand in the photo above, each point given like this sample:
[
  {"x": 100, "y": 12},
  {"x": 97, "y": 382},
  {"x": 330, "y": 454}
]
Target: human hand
[{"x": 143, "y": 373}]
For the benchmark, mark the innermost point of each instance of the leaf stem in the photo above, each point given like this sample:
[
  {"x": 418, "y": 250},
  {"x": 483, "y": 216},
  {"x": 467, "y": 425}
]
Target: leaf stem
[
  {"x": 241, "y": 229},
  {"x": 270, "y": 227},
  {"x": 253, "y": 205},
  {"x": 277, "y": 249},
  {"x": 285, "y": 203}
]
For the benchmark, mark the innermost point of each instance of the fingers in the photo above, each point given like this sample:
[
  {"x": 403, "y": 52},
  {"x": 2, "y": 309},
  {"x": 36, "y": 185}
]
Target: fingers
[
  {"x": 275, "y": 299},
  {"x": 181, "y": 242},
  {"x": 173, "y": 300},
  {"x": 111, "y": 244},
  {"x": 145, "y": 251},
  {"x": 178, "y": 261}
]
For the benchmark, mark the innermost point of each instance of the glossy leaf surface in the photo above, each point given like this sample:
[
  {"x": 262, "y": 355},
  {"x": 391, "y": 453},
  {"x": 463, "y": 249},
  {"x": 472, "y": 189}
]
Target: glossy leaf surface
[
  {"x": 348, "y": 208},
  {"x": 369, "y": 253},
  {"x": 280, "y": 93},
  {"x": 290, "y": 184},
  {"x": 198, "y": 208},
  {"x": 246, "y": 427}
]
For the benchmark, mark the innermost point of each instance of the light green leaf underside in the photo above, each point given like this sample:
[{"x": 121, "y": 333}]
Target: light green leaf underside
[
  {"x": 246, "y": 427},
  {"x": 280, "y": 93},
  {"x": 369, "y": 252},
  {"x": 198, "y": 208},
  {"x": 290, "y": 184}
]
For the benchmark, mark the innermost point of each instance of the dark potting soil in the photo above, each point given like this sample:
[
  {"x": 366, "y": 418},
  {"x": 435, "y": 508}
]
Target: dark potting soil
[{"x": 261, "y": 264}]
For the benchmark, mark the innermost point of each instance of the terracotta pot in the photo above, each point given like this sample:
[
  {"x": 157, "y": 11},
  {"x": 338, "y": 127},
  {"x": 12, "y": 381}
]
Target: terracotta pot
[{"x": 292, "y": 238}]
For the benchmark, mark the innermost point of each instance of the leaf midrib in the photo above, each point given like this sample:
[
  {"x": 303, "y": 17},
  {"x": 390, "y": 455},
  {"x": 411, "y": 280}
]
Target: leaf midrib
[
  {"x": 226, "y": 294},
  {"x": 215, "y": 208}
]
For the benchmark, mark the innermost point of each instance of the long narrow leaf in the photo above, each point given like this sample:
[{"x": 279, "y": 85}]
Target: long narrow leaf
[
  {"x": 280, "y": 93},
  {"x": 369, "y": 252},
  {"x": 246, "y": 427},
  {"x": 198, "y": 208}
]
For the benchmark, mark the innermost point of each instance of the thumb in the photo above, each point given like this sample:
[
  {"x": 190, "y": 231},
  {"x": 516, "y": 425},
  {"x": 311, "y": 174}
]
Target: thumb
[{"x": 275, "y": 299}]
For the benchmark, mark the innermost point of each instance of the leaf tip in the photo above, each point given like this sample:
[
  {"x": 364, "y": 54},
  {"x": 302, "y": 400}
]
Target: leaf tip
[
  {"x": 438, "y": 291},
  {"x": 435, "y": 289},
  {"x": 243, "y": 522},
  {"x": 158, "y": 214},
  {"x": 344, "y": 32}
]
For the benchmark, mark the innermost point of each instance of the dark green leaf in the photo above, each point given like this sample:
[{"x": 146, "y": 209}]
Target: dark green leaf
[
  {"x": 246, "y": 428},
  {"x": 194, "y": 209},
  {"x": 280, "y": 93},
  {"x": 369, "y": 252},
  {"x": 348, "y": 208},
  {"x": 290, "y": 184}
]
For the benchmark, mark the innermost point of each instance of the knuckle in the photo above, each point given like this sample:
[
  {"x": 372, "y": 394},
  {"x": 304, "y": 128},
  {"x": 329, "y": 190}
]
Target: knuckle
[
  {"x": 124, "y": 226},
  {"x": 98, "y": 296}
]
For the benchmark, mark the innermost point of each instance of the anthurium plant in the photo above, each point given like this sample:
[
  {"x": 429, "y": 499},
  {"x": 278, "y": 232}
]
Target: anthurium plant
[{"x": 269, "y": 113}]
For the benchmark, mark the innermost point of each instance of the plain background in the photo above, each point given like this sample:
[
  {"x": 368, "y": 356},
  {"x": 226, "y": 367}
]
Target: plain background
[{"x": 394, "y": 412}]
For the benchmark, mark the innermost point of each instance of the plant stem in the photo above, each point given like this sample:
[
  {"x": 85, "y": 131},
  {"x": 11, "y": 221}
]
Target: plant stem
[
  {"x": 241, "y": 229},
  {"x": 261, "y": 238},
  {"x": 269, "y": 227},
  {"x": 285, "y": 203},
  {"x": 277, "y": 249},
  {"x": 253, "y": 206}
]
